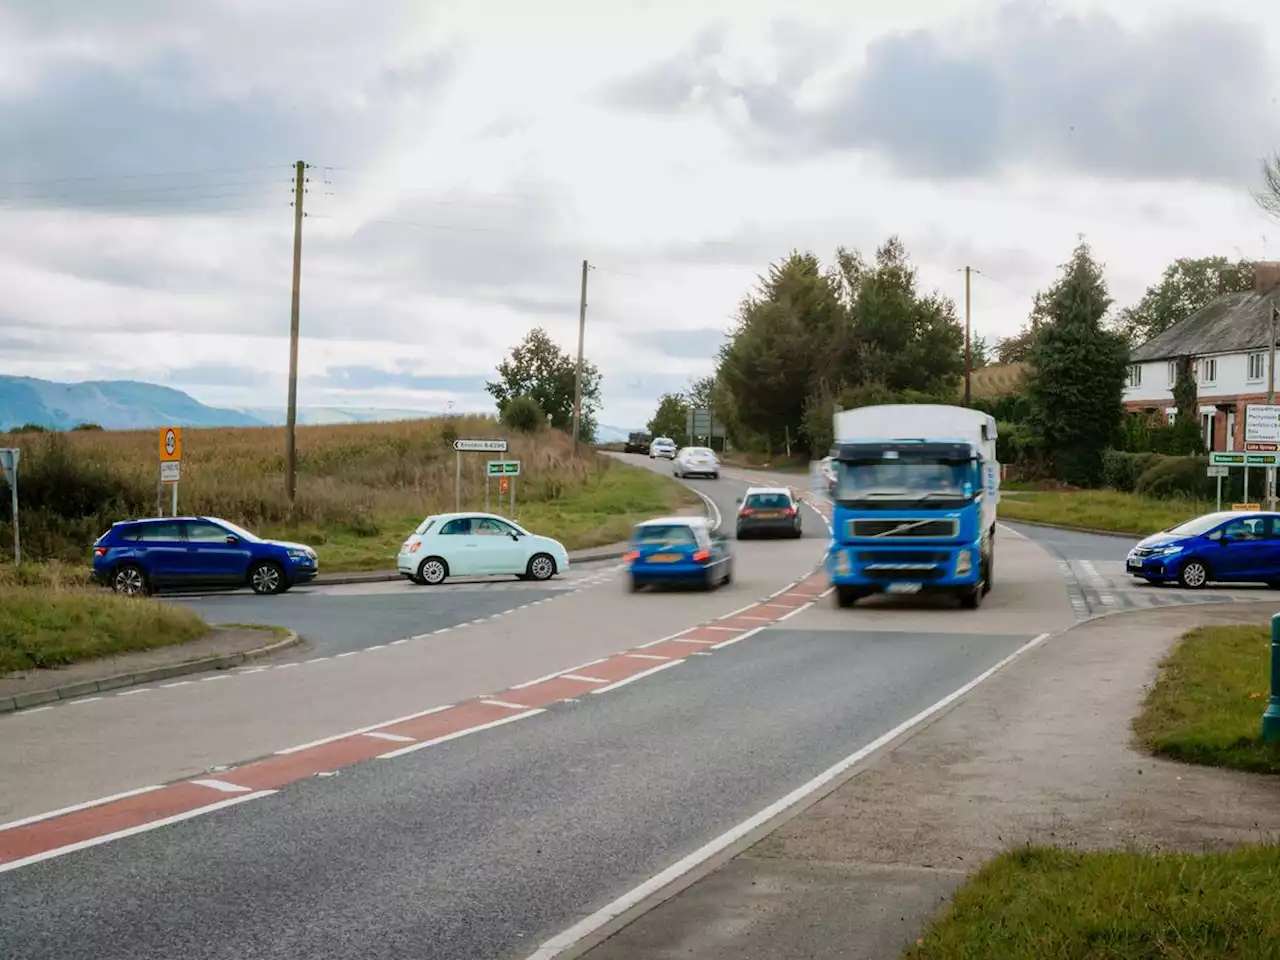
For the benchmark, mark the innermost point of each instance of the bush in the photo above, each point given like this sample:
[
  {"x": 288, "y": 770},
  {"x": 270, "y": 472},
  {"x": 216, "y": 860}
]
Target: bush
[
  {"x": 1120, "y": 470},
  {"x": 1174, "y": 477},
  {"x": 523, "y": 414}
]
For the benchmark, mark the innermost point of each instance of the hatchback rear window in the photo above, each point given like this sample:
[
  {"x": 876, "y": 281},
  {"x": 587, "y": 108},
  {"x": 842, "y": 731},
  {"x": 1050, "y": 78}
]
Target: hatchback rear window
[
  {"x": 768, "y": 501},
  {"x": 673, "y": 534},
  {"x": 425, "y": 525}
]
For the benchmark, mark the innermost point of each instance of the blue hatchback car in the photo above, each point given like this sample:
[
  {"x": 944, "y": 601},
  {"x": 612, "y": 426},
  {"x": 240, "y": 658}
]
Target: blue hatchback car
[
  {"x": 141, "y": 556},
  {"x": 1216, "y": 547},
  {"x": 679, "y": 550}
]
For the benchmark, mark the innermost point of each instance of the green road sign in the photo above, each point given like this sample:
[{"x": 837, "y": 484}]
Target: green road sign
[
  {"x": 1261, "y": 459},
  {"x": 504, "y": 468},
  {"x": 1221, "y": 459}
]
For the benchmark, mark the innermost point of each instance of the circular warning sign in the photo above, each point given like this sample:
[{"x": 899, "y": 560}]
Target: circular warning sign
[{"x": 170, "y": 444}]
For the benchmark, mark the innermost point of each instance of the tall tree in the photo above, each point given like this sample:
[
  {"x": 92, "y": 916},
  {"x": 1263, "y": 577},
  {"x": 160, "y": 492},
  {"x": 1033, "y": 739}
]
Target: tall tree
[
  {"x": 699, "y": 392},
  {"x": 979, "y": 352},
  {"x": 671, "y": 418},
  {"x": 1017, "y": 349},
  {"x": 1078, "y": 368},
  {"x": 539, "y": 369},
  {"x": 1185, "y": 287}
]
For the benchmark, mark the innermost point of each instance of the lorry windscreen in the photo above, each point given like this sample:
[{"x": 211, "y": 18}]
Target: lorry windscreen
[{"x": 905, "y": 478}]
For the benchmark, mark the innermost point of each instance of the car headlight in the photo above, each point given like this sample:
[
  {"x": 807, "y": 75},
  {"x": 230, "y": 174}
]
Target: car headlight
[
  {"x": 1165, "y": 551},
  {"x": 300, "y": 554}
]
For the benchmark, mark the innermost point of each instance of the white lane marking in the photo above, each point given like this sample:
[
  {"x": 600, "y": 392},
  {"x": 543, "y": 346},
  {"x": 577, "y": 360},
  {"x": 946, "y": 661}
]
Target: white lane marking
[
  {"x": 352, "y": 733},
  {"x": 77, "y": 807},
  {"x": 578, "y": 676},
  {"x": 349, "y": 653},
  {"x": 376, "y": 646},
  {"x": 221, "y": 676},
  {"x": 688, "y": 640},
  {"x": 744, "y": 617},
  {"x": 131, "y": 831},
  {"x": 222, "y": 785},
  {"x": 749, "y": 633},
  {"x": 710, "y": 627},
  {"x": 736, "y": 612},
  {"x": 180, "y": 683},
  {"x": 316, "y": 659},
  {"x": 28, "y": 711},
  {"x": 396, "y": 643},
  {"x": 286, "y": 666},
  {"x": 645, "y": 656},
  {"x": 637, "y": 676},
  {"x": 461, "y": 733},
  {"x": 76, "y": 703},
  {"x": 714, "y": 511},
  {"x": 125, "y": 693},
  {"x": 505, "y": 703},
  {"x": 394, "y": 737},
  {"x": 562, "y": 941},
  {"x": 800, "y": 609},
  {"x": 1010, "y": 532}
]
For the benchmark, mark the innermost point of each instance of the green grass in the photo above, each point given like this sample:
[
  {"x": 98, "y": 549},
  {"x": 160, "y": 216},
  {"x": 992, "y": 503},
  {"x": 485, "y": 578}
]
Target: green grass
[
  {"x": 1100, "y": 510},
  {"x": 1206, "y": 705},
  {"x": 1043, "y": 904},
  {"x": 602, "y": 510},
  {"x": 52, "y": 626}
]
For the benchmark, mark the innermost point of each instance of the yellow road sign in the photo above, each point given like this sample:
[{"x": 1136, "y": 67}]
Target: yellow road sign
[{"x": 170, "y": 444}]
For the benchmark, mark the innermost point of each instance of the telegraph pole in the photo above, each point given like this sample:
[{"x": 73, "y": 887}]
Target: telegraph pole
[
  {"x": 290, "y": 441},
  {"x": 968, "y": 348},
  {"x": 577, "y": 377}
]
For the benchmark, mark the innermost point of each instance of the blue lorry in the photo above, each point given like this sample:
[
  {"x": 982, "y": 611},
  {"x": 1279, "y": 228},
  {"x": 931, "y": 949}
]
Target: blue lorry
[{"x": 914, "y": 489}]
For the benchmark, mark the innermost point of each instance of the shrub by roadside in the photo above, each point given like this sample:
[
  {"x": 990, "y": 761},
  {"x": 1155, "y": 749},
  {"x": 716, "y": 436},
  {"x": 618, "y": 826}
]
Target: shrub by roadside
[{"x": 1206, "y": 705}]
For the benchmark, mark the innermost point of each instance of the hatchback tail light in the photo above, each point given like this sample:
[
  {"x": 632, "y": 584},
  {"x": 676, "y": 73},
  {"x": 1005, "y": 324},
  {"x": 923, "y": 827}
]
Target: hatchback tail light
[
  {"x": 746, "y": 512},
  {"x": 633, "y": 555},
  {"x": 789, "y": 512},
  {"x": 702, "y": 556},
  {"x": 99, "y": 551}
]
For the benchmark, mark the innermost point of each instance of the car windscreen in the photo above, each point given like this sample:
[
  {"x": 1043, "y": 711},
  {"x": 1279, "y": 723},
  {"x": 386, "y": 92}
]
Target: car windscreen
[
  {"x": 240, "y": 532},
  {"x": 768, "y": 501},
  {"x": 1196, "y": 526},
  {"x": 674, "y": 534}
]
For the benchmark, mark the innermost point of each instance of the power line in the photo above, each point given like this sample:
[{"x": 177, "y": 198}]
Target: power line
[{"x": 134, "y": 176}]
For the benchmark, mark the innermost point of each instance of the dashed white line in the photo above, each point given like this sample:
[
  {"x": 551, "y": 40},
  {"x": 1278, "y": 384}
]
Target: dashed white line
[
  {"x": 393, "y": 737},
  {"x": 505, "y": 703},
  {"x": 220, "y": 676},
  {"x": 76, "y": 703},
  {"x": 732, "y": 640},
  {"x": 800, "y": 609},
  {"x": 645, "y": 656},
  {"x": 123, "y": 693},
  {"x": 78, "y": 807},
  {"x": 316, "y": 660},
  {"x": 349, "y": 653},
  {"x": 577, "y": 676},
  {"x": 706, "y": 643}
]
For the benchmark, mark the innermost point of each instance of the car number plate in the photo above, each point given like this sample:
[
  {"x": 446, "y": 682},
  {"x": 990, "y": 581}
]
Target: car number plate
[
  {"x": 767, "y": 515},
  {"x": 903, "y": 588},
  {"x": 664, "y": 558}
]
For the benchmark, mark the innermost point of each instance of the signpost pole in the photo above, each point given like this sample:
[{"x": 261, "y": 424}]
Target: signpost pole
[
  {"x": 175, "y": 499},
  {"x": 1219, "y": 494},
  {"x": 1246, "y": 484},
  {"x": 457, "y": 480},
  {"x": 1271, "y": 399},
  {"x": 486, "y": 491},
  {"x": 13, "y": 502},
  {"x": 513, "y": 498}
]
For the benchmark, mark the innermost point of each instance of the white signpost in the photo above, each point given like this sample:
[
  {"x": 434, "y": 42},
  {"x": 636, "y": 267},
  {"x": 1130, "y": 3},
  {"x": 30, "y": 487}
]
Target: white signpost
[
  {"x": 9, "y": 464},
  {"x": 506, "y": 471},
  {"x": 472, "y": 446},
  {"x": 1262, "y": 432}
]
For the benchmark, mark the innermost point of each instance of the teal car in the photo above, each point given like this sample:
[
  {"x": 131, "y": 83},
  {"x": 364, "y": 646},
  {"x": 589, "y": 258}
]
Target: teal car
[{"x": 679, "y": 550}]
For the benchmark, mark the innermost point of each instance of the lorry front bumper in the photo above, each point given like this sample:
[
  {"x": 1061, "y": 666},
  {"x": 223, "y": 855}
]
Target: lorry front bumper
[{"x": 911, "y": 569}]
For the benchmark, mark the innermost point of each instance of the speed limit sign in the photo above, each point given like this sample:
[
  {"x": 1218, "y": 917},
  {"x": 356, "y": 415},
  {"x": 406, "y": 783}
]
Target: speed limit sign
[{"x": 170, "y": 444}]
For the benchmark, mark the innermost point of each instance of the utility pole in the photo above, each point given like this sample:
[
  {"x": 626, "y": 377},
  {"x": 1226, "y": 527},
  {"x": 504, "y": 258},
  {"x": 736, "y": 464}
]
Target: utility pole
[
  {"x": 968, "y": 349},
  {"x": 577, "y": 377},
  {"x": 290, "y": 441},
  {"x": 1271, "y": 399}
]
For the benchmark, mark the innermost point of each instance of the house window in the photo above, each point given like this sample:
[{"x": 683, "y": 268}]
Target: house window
[
  {"x": 1257, "y": 366},
  {"x": 1173, "y": 372},
  {"x": 1207, "y": 370},
  {"x": 1135, "y": 375}
]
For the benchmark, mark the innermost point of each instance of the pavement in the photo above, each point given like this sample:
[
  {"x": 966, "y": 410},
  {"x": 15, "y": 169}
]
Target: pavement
[{"x": 1040, "y": 753}]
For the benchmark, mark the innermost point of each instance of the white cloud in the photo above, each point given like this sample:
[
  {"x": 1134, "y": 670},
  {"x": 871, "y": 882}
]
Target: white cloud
[{"x": 479, "y": 158}]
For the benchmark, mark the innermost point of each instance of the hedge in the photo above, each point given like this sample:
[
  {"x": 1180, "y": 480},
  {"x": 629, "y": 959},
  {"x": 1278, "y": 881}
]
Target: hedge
[{"x": 1165, "y": 477}]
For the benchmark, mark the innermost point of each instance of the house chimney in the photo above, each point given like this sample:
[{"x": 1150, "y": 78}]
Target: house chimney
[{"x": 1266, "y": 276}]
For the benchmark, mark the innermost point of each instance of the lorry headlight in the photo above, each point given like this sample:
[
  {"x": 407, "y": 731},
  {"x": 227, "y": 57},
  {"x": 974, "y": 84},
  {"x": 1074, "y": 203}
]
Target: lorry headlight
[
  {"x": 964, "y": 563},
  {"x": 842, "y": 562}
]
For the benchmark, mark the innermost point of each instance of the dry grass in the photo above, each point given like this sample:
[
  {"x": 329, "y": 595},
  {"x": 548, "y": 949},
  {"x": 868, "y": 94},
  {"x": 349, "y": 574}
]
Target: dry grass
[
  {"x": 358, "y": 484},
  {"x": 995, "y": 381}
]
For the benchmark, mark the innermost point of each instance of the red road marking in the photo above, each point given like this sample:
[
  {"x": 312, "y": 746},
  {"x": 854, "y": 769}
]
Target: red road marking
[
  {"x": 462, "y": 717},
  {"x": 552, "y": 691},
  {"x": 96, "y": 821},
  {"x": 772, "y": 610},
  {"x": 678, "y": 651},
  {"x": 791, "y": 600},
  {"x": 619, "y": 668},
  {"x": 744, "y": 622},
  {"x": 276, "y": 772}
]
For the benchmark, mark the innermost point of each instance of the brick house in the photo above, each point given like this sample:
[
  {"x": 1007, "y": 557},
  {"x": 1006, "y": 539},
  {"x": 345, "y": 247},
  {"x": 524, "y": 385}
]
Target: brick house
[{"x": 1227, "y": 342}]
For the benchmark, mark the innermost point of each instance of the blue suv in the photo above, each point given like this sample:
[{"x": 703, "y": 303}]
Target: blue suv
[{"x": 137, "y": 557}]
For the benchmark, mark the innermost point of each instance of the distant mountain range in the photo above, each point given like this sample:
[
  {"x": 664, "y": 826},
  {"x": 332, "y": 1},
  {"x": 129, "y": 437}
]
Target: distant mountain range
[{"x": 135, "y": 405}]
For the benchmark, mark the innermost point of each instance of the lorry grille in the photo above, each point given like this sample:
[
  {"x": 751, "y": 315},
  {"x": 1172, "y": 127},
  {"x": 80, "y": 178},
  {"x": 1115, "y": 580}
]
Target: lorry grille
[
  {"x": 930, "y": 557},
  {"x": 904, "y": 528}
]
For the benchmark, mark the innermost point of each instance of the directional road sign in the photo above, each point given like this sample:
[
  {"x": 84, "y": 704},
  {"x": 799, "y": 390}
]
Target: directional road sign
[
  {"x": 503, "y": 468},
  {"x": 1262, "y": 423},
  {"x": 480, "y": 446}
]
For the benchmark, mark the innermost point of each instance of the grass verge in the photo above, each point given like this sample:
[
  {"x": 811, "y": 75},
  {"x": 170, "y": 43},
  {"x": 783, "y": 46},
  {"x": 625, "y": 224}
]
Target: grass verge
[
  {"x": 1100, "y": 510},
  {"x": 1207, "y": 702},
  {"x": 42, "y": 627},
  {"x": 1053, "y": 905}
]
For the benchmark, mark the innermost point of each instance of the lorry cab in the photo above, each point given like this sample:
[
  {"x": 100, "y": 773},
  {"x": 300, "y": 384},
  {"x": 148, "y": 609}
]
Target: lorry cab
[{"x": 915, "y": 489}]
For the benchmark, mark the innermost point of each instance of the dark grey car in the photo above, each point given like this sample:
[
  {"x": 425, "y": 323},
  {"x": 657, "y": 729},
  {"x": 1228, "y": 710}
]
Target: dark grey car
[{"x": 771, "y": 512}]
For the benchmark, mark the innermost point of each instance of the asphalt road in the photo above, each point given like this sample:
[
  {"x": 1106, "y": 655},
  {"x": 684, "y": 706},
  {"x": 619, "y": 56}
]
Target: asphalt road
[
  {"x": 1073, "y": 545},
  {"x": 485, "y": 846},
  {"x": 333, "y": 620}
]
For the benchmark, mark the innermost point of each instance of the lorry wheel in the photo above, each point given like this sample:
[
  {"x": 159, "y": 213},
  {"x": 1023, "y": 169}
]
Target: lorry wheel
[
  {"x": 847, "y": 596},
  {"x": 990, "y": 574},
  {"x": 971, "y": 599}
]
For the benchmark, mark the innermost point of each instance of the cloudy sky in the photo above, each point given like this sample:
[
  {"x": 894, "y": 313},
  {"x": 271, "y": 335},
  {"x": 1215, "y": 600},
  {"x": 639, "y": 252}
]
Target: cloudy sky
[{"x": 466, "y": 157}]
